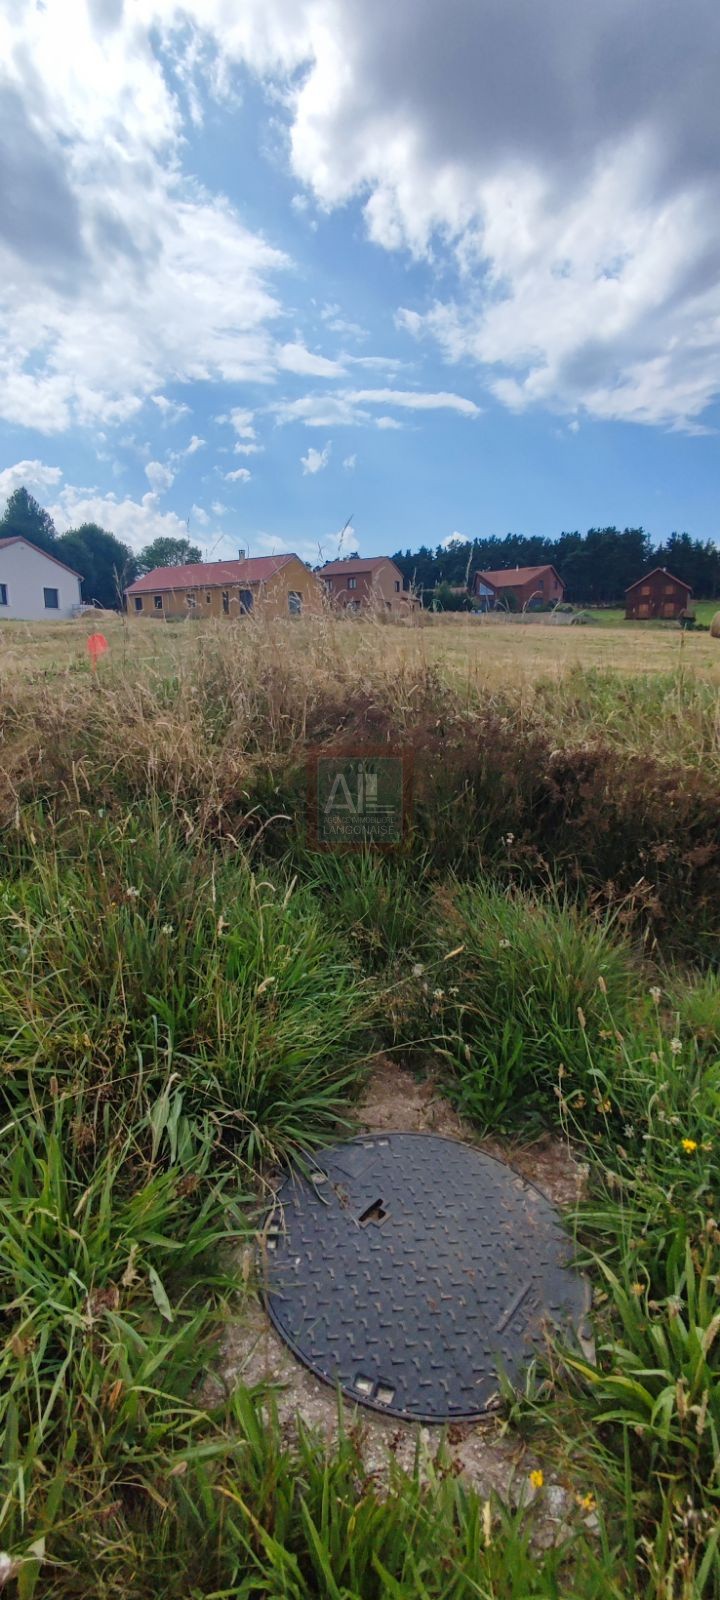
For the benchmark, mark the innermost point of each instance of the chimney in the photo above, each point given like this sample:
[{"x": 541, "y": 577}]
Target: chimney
[{"x": 241, "y": 554}]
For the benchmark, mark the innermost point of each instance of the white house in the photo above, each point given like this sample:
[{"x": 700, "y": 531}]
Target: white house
[{"x": 35, "y": 586}]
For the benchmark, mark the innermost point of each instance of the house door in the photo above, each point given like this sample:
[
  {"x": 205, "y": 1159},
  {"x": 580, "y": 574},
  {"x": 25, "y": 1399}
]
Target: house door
[{"x": 246, "y": 601}]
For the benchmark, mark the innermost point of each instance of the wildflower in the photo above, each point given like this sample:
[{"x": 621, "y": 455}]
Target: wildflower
[
  {"x": 586, "y": 1502},
  {"x": 655, "y": 994},
  {"x": 689, "y": 1145},
  {"x": 509, "y": 838},
  {"x": 676, "y": 1046},
  {"x": 504, "y": 944},
  {"x": 603, "y": 1105},
  {"x": 438, "y": 994},
  {"x": 628, "y": 1131},
  {"x": 418, "y": 969},
  {"x": 637, "y": 1288},
  {"x": 132, "y": 893},
  {"x": 537, "y": 1478},
  {"x": 454, "y": 989},
  {"x": 167, "y": 928},
  {"x": 221, "y": 925}
]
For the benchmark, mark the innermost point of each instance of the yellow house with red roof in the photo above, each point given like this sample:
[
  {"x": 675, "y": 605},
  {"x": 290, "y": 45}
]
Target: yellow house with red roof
[{"x": 279, "y": 585}]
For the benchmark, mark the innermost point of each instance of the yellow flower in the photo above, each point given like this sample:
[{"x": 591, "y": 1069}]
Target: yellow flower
[
  {"x": 536, "y": 1478},
  {"x": 689, "y": 1145},
  {"x": 587, "y": 1502},
  {"x": 637, "y": 1288}
]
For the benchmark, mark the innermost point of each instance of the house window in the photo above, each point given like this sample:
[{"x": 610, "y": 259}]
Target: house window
[
  {"x": 3, "y": 594},
  {"x": 294, "y": 603},
  {"x": 397, "y": 585},
  {"x": 352, "y": 583},
  {"x": 226, "y": 601},
  {"x": 645, "y": 589},
  {"x": 51, "y": 599},
  {"x": 157, "y": 602},
  {"x": 208, "y": 599},
  {"x": 138, "y": 602},
  {"x": 246, "y": 600},
  {"x": 191, "y": 601},
  {"x": 669, "y": 588}
]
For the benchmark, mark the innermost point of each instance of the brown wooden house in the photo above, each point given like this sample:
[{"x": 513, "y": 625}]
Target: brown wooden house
[
  {"x": 658, "y": 594},
  {"x": 530, "y": 586},
  {"x": 281, "y": 585},
  {"x": 365, "y": 583}
]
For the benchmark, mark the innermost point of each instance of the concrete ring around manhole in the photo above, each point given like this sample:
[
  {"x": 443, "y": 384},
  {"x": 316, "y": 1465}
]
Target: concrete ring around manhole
[{"x": 408, "y": 1269}]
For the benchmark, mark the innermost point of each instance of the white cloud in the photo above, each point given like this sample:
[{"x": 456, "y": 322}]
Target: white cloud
[
  {"x": 159, "y": 476},
  {"x": 316, "y": 460},
  {"x": 454, "y": 538},
  {"x": 558, "y": 165},
  {"x": 117, "y": 273},
  {"x": 242, "y": 421},
  {"x": 195, "y": 444},
  {"x": 335, "y": 320},
  {"x": 295, "y": 358},
  {"x": 135, "y": 522},
  {"x": 415, "y": 401},
  {"x": 574, "y": 426},
  {"x": 198, "y": 515},
  {"x": 350, "y": 463},
  {"x": 31, "y": 475},
  {"x": 218, "y": 508},
  {"x": 240, "y": 475},
  {"x": 349, "y": 406},
  {"x": 169, "y": 409},
  {"x": 387, "y": 422},
  {"x": 562, "y": 161}
]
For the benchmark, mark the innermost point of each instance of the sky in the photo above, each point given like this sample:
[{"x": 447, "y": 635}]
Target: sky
[{"x": 435, "y": 267}]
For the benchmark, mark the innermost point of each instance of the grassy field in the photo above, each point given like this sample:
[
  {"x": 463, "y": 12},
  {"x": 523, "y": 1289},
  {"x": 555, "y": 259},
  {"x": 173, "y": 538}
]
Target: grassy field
[
  {"x": 189, "y": 995},
  {"x": 487, "y": 652}
]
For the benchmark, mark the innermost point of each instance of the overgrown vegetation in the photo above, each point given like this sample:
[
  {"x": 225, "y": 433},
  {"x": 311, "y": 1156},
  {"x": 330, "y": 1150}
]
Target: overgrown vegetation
[{"x": 187, "y": 995}]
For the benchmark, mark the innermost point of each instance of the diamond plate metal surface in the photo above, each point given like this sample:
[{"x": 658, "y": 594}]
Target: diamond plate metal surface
[{"x": 406, "y": 1268}]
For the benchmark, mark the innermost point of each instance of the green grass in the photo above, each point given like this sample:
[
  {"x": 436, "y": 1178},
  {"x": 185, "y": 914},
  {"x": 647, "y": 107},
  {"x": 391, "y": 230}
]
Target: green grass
[{"x": 188, "y": 996}]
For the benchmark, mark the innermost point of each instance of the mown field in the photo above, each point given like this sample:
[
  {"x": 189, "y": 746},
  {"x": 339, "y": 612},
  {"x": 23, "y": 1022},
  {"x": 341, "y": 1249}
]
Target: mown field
[{"x": 189, "y": 995}]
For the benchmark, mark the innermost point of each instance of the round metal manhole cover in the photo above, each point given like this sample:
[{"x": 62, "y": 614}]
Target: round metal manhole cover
[{"x": 408, "y": 1269}]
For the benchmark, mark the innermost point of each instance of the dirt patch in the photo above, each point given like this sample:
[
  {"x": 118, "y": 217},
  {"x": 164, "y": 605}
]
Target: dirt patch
[{"x": 486, "y": 1456}]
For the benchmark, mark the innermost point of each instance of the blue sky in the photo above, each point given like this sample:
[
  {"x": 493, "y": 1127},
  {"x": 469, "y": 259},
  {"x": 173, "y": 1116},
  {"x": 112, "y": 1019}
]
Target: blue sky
[{"x": 440, "y": 269}]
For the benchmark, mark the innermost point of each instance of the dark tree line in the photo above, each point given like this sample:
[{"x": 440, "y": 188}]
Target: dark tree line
[
  {"x": 104, "y": 563},
  {"x": 597, "y": 566}
]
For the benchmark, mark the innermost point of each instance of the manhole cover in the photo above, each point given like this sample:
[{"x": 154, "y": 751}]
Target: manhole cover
[{"x": 407, "y": 1268}]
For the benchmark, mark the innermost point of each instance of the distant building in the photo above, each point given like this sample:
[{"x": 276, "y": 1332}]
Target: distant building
[
  {"x": 282, "y": 585},
  {"x": 35, "y": 587},
  {"x": 359, "y": 584},
  {"x": 531, "y": 586},
  {"x": 658, "y": 594}
]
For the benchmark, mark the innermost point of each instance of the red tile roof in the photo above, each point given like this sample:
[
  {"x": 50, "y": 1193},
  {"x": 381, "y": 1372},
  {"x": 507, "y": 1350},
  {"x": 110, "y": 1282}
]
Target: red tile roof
[
  {"x": 210, "y": 574},
  {"x": 507, "y": 577},
  {"x": 665, "y": 573},
  {"x": 18, "y": 538},
  {"x": 332, "y": 569}
]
